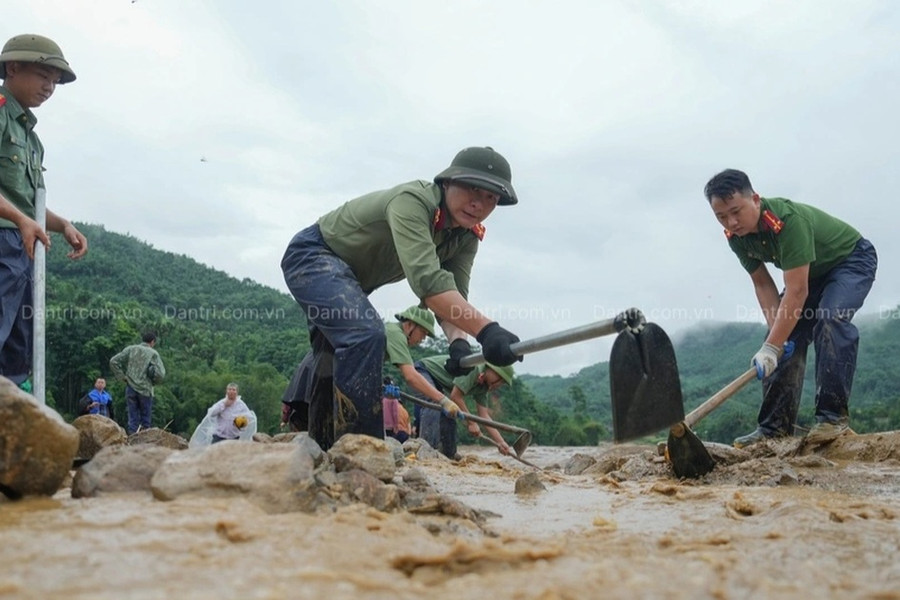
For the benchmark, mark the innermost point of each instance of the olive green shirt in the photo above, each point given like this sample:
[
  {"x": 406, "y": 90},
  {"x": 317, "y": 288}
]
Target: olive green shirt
[
  {"x": 470, "y": 387},
  {"x": 131, "y": 365},
  {"x": 800, "y": 235},
  {"x": 435, "y": 367},
  {"x": 21, "y": 156},
  {"x": 397, "y": 350},
  {"x": 396, "y": 234}
]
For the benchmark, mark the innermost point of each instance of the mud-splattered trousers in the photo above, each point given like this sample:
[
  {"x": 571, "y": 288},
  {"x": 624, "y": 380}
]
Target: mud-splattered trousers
[
  {"x": 341, "y": 376},
  {"x": 826, "y": 322},
  {"x": 435, "y": 427}
]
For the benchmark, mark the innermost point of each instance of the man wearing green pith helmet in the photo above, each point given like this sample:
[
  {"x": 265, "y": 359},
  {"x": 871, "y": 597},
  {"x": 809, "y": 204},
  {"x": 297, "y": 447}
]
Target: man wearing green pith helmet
[
  {"x": 438, "y": 429},
  {"x": 31, "y": 67},
  {"x": 426, "y": 232}
]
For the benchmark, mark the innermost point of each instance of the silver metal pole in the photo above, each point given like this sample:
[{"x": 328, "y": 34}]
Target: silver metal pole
[{"x": 38, "y": 352}]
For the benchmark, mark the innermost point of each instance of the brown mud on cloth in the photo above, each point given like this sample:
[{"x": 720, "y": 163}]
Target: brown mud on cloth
[{"x": 777, "y": 522}]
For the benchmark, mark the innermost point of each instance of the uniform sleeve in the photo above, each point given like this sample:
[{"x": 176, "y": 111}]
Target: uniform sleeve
[
  {"x": 466, "y": 382},
  {"x": 397, "y": 348},
  {"x": 796, "y": 243},
  {"x": 410, "y": 223}
]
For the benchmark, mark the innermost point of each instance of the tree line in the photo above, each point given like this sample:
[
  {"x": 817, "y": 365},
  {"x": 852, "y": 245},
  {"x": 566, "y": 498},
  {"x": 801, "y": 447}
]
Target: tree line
[{"x": 214, "y": 329}]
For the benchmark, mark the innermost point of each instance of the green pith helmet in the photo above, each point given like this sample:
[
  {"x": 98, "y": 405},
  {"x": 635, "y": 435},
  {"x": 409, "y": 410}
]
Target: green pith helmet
[
  {"x": 32, "y": 48},
  {"x": 483, "y": 168},
  {"x": 419, "y": 316},
  {"x": 506, "y": 373}
]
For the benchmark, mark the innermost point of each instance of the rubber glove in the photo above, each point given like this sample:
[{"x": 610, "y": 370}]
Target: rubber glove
[
  {"x": 459, "y": 349},
  {"x": 449, "y": 408},
  {"x": 495, "y": 342}
]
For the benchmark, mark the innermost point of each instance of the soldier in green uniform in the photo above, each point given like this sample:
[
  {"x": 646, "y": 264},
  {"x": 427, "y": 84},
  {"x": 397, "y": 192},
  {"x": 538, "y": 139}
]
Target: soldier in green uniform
[
  {"x": 31, "y": 67},
  {"x": 424, "y": 232},
  {"x": 439, "y": 429},
  {"x": 828, "y": 270}
]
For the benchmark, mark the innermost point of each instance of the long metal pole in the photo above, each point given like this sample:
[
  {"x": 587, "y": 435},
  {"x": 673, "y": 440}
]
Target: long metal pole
[
  {"x": 631, "y": 319},
  {"x": 39, "y": 303}
]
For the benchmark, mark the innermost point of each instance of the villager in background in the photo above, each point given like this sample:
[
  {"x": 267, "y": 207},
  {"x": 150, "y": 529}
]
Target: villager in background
[
  {"x": 425, "y": 232},
  {"x": 31, "y": 67},
  {"x": 828, "y": 270},
  {"x": 141, "y": 368}
]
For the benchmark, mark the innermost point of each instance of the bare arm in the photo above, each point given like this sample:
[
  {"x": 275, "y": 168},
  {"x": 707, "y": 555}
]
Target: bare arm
[
  {"x": 766, "y": 294},
  {"x": 420, "y": 384},
  {"x": 485, "y": 413},
  {"x": 74, "y": 237},
  {"x": 796, "y": 289},
  {"x": 457, "y": 316},
  {"x": 29, "y": 229}
]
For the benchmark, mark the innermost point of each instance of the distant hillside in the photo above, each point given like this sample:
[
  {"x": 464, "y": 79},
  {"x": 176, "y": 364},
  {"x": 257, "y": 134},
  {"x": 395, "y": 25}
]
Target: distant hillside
[
  {"x": 710, "y": 356},
  {"x": 212, "y": 328}
]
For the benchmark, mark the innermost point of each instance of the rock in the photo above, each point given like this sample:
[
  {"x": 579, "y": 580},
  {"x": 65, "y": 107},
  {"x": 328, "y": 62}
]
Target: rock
[
  {"x": 578, "y": 463},
  {"x": 37, "y": 446},
  {"x": 158, "y": 437},
  {"x": 97, "y": 432},
  {"x": 529, "y": 483},
  {"x": 397, "y": 450},
  {"x": 309, "y": 446},
  {"x": 119, "y": 468},
  {"x": 372, "y": 455},
  {"x": 363, "y": 487},
  {"x": 276, "y": 477}
]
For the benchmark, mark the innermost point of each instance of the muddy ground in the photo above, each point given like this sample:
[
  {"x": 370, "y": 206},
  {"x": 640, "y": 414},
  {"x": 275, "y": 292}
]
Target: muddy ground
[{"x": 783, "y": 523}]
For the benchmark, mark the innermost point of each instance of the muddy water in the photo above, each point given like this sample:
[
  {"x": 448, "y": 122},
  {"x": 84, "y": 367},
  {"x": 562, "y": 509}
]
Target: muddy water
[{"x": 830, "y": 530}]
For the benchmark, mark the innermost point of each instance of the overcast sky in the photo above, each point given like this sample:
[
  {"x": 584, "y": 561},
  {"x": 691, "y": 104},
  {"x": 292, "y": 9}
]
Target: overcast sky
[{"x": 218, "y": 129}]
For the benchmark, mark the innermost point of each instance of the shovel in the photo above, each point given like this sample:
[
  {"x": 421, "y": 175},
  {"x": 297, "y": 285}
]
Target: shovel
[
  {"x": 688, "y": 455},
  {"x": 520, "y": 445},
  {"x": 628, "y": 320},
  {"x": 645, "y": 389},
  {"x": 518, "y": 458}
]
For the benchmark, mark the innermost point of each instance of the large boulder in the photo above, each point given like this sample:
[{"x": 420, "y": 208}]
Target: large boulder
[
  {"x": 97, "y": 432},
  {"x": 119, "y": 468},
  {"x": 276, "y": 477},
  {"x": 37, "y": 446}
]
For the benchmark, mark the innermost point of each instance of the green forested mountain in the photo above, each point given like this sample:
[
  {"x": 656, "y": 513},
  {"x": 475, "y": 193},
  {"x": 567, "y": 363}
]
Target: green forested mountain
[{"x": 214, "y": 329}]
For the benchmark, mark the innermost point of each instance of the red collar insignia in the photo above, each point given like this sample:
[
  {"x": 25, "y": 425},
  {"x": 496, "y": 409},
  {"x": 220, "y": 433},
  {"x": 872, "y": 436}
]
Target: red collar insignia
[
  {"x": 771, "y": 222},
  {"x": 440, "y": 221},
  {"x": 2, "y": 100}
]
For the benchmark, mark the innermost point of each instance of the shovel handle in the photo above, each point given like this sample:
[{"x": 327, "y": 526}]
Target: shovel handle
[
  {"x": 631, "y": 319},
  {"x": 465, "y": 415},
  {"x": 719, "y": 397}
]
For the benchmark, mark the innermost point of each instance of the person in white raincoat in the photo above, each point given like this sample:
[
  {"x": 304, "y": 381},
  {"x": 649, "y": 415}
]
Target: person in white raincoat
[{"x": 228, "y": 419}]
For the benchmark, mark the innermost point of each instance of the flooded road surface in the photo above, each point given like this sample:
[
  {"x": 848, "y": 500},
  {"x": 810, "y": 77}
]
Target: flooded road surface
[{"x": 775, "y": 527}]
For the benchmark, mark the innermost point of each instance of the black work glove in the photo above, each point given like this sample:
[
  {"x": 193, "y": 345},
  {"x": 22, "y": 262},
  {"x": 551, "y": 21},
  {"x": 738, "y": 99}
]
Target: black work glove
[
  {"x": 459, "y": 348},
  {"x": 495, "y": 342}
]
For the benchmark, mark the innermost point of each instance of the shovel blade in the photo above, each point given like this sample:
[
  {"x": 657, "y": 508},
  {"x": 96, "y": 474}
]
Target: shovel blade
[
  {"x": 522, "y": 442},
  {"x": 644, "y": 385},
  {"x": 688, "y": 455}
]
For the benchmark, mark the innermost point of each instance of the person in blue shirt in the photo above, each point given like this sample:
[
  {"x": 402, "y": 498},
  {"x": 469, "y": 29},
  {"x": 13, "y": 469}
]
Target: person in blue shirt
[{"x": 101, "y": 401}]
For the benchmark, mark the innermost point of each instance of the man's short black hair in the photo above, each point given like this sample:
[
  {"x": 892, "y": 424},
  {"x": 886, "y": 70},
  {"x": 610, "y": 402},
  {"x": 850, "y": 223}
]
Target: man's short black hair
[
  {"x": 726, "y": 184},
  {"x": 149, "y": 337}
]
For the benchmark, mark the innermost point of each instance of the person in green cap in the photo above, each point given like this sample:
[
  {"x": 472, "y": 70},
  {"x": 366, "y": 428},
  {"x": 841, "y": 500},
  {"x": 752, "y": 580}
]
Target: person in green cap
[
  {"x": 31, "y": 67},
  {"x": 412, "y": 325},
  {"x": 426, "y": 232},
  {"x": 438, "y": 428}
]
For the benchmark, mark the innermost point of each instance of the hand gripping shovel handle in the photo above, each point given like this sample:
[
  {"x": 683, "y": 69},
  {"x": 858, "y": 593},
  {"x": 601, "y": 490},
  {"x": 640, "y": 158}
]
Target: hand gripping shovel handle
[
  {"x": 465, "y": 415},
  {"x": 515, "y": 456},
  {"x": 522, "y": 441},
  {"x": 632, "y": 320},
  {"x": 714, "y": 402}
]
